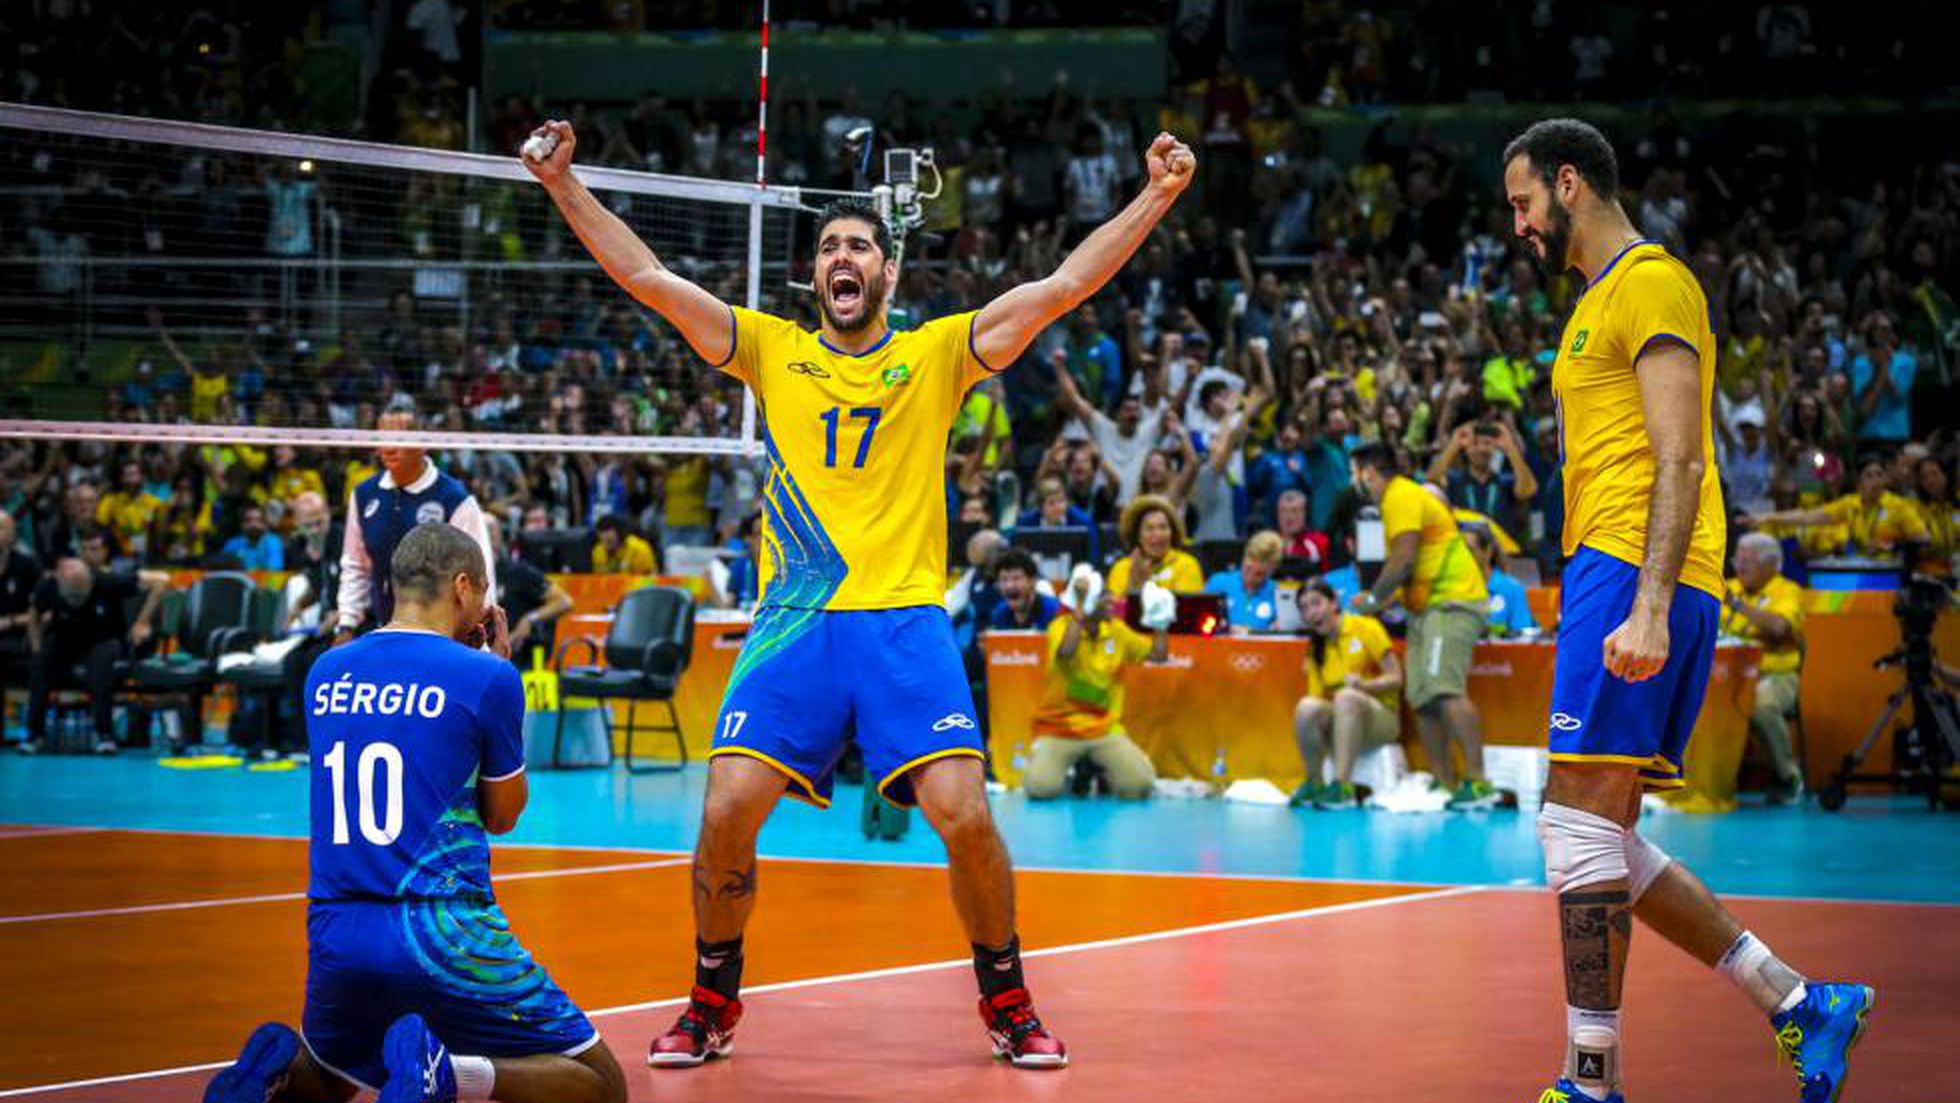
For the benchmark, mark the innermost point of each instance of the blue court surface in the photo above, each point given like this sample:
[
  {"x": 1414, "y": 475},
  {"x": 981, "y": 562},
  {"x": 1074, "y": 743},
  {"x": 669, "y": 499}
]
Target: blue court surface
[{"x": 1879, "y": 848}]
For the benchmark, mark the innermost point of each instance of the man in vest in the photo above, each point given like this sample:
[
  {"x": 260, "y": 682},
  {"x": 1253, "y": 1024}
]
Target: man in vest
[{"x": 408, "y": 491}]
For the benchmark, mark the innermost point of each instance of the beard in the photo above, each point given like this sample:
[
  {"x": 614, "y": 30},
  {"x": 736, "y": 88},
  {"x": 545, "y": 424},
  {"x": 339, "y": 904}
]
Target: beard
[
  {"x": 1557, "y": 242},
  {"x": 870, "y": 298}
]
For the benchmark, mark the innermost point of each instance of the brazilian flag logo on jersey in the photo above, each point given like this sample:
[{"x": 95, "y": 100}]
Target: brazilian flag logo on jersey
[
  {"x": 898, "y": 376},
  {"x": 1579, "y": 342}
]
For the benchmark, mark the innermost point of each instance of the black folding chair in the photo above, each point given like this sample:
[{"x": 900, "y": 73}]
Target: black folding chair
[
  {"x": 216, "y": 617},
  {"x": 646, "y": 651}
]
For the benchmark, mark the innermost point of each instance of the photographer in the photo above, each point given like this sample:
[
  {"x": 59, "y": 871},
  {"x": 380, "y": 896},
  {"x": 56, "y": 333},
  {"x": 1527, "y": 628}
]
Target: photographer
[
  {"x": 1767, "y": 609},
  {"x": 1081, "y": 710}
]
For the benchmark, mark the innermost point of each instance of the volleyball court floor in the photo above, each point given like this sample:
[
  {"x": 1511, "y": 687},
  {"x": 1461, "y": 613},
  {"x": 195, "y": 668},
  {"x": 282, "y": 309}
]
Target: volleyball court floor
[{"x": 1184, "y": 949}]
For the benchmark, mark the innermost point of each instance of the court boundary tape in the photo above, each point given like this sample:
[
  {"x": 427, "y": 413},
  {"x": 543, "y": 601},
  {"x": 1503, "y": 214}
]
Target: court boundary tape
[
  {"x": 1174, "y": 874},
  {"x": 1220, "y": 927},
  {"x": 278, "y": 897}
]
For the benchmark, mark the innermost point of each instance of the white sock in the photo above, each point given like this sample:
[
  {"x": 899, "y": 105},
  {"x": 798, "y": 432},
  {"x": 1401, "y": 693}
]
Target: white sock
[
  {"x": 1773, "y": 986},
  {"x": 476, "y": 1077},
  {"x": 1592, "y": 1050}
]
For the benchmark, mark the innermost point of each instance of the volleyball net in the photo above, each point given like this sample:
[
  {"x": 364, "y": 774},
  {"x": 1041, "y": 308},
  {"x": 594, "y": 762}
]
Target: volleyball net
[{"x": 182, "y": 283}]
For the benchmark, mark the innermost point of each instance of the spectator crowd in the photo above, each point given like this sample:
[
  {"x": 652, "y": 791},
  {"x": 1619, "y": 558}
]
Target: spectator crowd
[{"x": 1194, "y": 420}]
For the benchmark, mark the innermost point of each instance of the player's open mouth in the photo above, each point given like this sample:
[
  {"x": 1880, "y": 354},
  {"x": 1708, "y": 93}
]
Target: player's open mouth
[{"x": 845, "y": 291}]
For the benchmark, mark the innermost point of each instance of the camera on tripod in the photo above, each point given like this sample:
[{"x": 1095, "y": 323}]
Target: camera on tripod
[{"x": 1925, "y": 750}]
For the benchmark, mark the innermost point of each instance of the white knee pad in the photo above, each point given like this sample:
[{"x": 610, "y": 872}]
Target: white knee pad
[
  {"x": 1645, "y": 862},
  {"x": 1580, "y": 848}
]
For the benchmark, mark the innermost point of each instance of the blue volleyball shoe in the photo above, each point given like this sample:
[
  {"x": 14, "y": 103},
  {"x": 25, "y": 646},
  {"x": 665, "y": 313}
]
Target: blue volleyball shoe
[
  {"x": 1816, "y": 1036},
  {"x": 260, "y": 1069},
  {"x": 418, "y": 1065},
  {"x": 1565, "y": 1091}
]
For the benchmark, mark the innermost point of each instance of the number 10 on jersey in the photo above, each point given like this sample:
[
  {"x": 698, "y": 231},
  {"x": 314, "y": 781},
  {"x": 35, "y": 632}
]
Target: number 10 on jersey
[{"x": 834, "y": 415}]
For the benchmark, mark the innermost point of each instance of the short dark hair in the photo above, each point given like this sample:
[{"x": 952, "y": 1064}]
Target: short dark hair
[
  {"x": 610, "y": 523},
  {"x": 1016, "y": 559},
  {"x": 402, "y": 403},
  {"x": 430, "y": 556},
  {"x": 1377, "y": 455},
  {"x": 860, "y": 211},
  {"x": 1550, "y": 143}
]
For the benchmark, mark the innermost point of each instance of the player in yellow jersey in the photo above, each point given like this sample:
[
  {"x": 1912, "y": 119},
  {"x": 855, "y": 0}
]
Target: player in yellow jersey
[
  {"x": 851, "y": 633},
  {"x": 1641, "y": 599}
]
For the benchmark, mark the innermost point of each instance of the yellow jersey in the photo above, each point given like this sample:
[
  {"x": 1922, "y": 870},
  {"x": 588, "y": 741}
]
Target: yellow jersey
[
  {"x": 1780, "y": 596},
  {"x": 1356, "y": 650},
  {"x": 1642, "y": 297},
  {"x": 854, "y": 508},
  {"x": 1877, "y": 528},
  {"x": 1083, "y": 695},
  {"x": 129, "y": 517},
  {"x": 1180, "y": 574},
  {"x": 635, "y": 556},
  {"x": 1445, "y": 570}
]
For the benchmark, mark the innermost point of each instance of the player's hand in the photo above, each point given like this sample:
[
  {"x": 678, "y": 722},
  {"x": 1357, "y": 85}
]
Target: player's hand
[
  {"x": 559, "y": 161},
  {"x": 139, "y": 634},
  {"x": 520, "y": 632},
  {"x": 491, "y": 632},
  {"x": 343, "y": 636},
  {"x": 1637, "y": 649},
  {"x": 1171, "y": 164}
]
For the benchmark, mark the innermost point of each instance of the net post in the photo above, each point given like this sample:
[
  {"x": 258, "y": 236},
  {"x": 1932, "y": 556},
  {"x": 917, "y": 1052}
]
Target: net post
[{"x": 754, "y": 303}]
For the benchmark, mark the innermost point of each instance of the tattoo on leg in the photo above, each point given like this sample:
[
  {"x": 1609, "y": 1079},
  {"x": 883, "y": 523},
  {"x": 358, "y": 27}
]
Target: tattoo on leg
[
  {"x": 739, "y": 883},
  {"x": 1589, "y": 925}
]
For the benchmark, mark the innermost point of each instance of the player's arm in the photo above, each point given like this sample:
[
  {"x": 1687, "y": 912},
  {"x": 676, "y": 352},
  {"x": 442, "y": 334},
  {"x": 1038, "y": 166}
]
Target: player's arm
[
  {"x": 1003, "y": 328},
  {"x": 1788, "y": 517},
  {"x": 1524, "y": 484},
  {"x": 1771, "y": 628},
  {"x": 701, "y": 318},
  {"x": 500, "y": 803},
  {"x": 355, "y": 564},
  {"x": 1401, "y": 563},
  {"x": 1669, "y": 374},
  {"x": 1389, "y": 680},
  {"x": 1071, "y": 639},
  {"x": 154, "y": 584}
]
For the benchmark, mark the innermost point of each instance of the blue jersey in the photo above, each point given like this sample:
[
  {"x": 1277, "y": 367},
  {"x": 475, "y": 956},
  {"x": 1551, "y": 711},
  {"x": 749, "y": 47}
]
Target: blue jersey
[{"x": 399, "y": 724}]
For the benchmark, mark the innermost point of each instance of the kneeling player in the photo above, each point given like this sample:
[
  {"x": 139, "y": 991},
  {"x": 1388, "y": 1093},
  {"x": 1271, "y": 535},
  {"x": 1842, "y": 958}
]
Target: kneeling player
[{"x": 415, "y": 985}]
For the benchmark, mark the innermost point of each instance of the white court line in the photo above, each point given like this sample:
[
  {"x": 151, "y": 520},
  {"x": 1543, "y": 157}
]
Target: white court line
[
  {"x": 36, "y": 831},
  {"x": 271, "y": 898},
  {"x": 879, "y": 974},
  {"x": 1173, "y": 874}
]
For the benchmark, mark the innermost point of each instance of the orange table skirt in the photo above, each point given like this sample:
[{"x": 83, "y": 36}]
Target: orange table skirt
[{"x": 1222, "y": 708}]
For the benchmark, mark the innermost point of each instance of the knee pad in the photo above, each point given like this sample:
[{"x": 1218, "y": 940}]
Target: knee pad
[
  {"x": 1645, "y": 862},
  {"x": 1580, "y": 848}
]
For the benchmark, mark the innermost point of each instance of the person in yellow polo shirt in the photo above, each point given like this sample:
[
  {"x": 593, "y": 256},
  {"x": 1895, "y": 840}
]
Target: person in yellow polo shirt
[
  {"x": 1150, "y": 528},
  {"x": 617, "y": 551},
  {"x": 1081, "y": 710},
  {"x": 130, "y": 511},
  {"x": 1762, "y": 606},
  {"x": 1354, "y": 685},
  {"x": 1439, "y": 584},
  {"x": 1877, "y": 519}
]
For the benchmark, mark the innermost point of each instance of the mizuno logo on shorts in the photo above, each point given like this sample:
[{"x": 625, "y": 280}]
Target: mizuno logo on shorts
[
  {"x": 956, "y": 720},
  {"x": 1566, "y": 722}
]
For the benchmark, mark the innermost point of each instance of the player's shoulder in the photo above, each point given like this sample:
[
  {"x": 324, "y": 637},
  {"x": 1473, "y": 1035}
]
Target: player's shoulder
[
  {"x": 1656, "y": 272},
  {"x": 1366, "y": 628},
  {"x": 761, "y": 321}
]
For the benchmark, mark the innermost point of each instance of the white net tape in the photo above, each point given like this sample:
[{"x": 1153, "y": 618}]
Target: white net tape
[{"x": 319, "y": 277}]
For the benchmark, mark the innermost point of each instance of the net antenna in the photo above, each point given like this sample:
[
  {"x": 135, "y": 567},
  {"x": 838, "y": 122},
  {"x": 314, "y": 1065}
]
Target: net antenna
[{"x": 470, "y": 237}]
